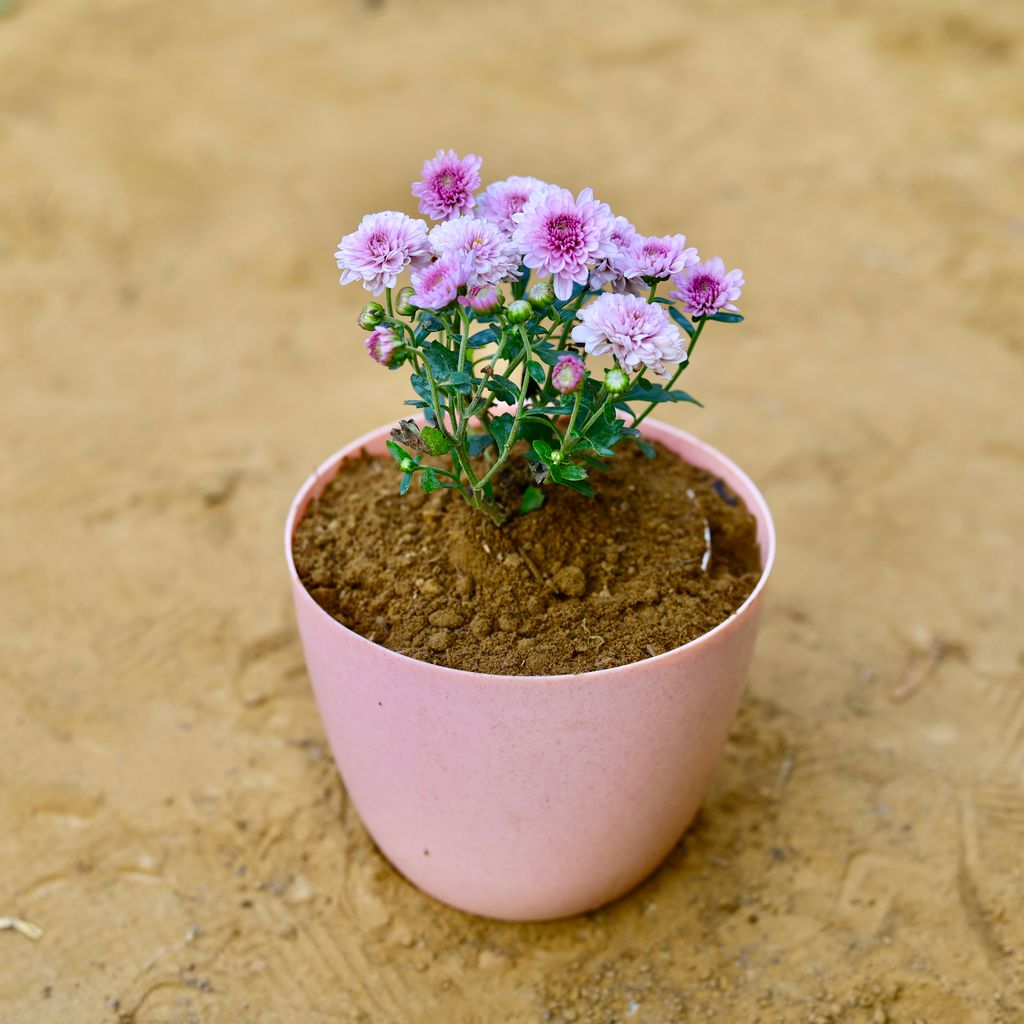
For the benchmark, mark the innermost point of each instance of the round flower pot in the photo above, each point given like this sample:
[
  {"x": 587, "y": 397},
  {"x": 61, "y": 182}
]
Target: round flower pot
[{"x": 528, "y": 797}]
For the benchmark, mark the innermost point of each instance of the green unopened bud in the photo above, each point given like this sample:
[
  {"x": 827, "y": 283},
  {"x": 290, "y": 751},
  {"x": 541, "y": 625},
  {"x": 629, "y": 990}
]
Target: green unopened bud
[
  {"x": 403, "y": 302},
  {"x": 406, "y": 465},
  {"x": 519, "y": 312},
  {"x": 541, "y": 295},
  {"x": 371, "y": 315},
  {"x": 616, "y": 380},
  {"x": 556, "y": 457}
]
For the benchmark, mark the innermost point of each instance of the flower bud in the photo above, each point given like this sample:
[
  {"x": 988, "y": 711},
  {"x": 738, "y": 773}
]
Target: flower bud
[
  {"x": 556, "y": 457},
  {"x": 370, "y": 316},
  {"x": 483, "y": 298},
  {"x": 403, "y": 302},
  {"x": 407, "y": 465},
  {"x": 384, "y": 346},
  {"x": 519, "y": 312},
  {"x": 568, "y": 373},
  {"x": 616, "y": 380},
  {"x": 541, "y": 294}
]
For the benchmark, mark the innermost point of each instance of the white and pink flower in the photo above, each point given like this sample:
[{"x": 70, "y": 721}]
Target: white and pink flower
[
  {"x": 447, "y": 185},
  {"x": 490, "y": 253},
  {"x": 706, "y": 288},
  {"x": 651, "y": 256},
  {"x": 638, "y": 333},
  {"x": 562, "y": 237},
  {"x": 612, "y": 269},
  {"x": 502, "y": 200},
  {"x": 436, "y": 285},
  {"x": 382, "y": 247}
]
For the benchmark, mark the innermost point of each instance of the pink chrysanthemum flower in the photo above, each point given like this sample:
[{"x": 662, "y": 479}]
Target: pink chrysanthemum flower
[
  {"x": 611, "y": 270},
  {"x": 638, "y": 333},
  {"x": 706, "y": 288},
  {"x": 568, "y": 373},
  {"x": 436, "y": 285},
  {"x": 382, "y": 343},
  {"x": 502, "y": 200},
  {"x": 382, "y": 247},
  {"x": 561, "y": 237},
  {"x": 483, "y": 298},
  {"x": 651, "y": 256},
  {"x": 448, "y": 184},
  {"x": 492, "y": 256}
]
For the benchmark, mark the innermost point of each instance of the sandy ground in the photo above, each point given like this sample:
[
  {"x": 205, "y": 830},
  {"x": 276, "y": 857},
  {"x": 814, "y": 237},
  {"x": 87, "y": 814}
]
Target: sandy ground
[{"x": 175, "y": 356}]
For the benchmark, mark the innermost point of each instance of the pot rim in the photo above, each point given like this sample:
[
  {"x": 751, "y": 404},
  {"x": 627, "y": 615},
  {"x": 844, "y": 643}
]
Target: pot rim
[{"x": 332, "y": 464}]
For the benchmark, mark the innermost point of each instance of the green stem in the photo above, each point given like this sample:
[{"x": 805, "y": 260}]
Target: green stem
[
  {"x": 520, "y": 408},
  {"x": 653, "y": 292},
  {"x": 391, "y": 310},
  {"x": 438, "y": 414},
  {"x": 463, "y": 337},
  {"x": 572, "y": 419},
  {"x": 575, "y": 305}
]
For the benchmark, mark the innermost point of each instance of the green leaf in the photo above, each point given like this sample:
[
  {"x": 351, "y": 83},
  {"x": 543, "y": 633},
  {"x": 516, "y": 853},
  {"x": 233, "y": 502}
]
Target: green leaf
[
  {"x": 543, "y": 451},
  {"x": 583, "y": 486},
  {"x": 543, "y": 411},
  {"x": 536, "y": 371},
  {"x": 568, "y": 471},
  {"x": 417, "y": 403},
  {"x": 547, "y": 352},
  {"x": 727, "y": 318},
  {"x": 397, "y": 451},
  {"x": 501, "y": 428},
  {"x": 478, "y": 442},
  {"x": 482, "y": 338},
  {"x": 429, "y": 481},
  {"x": 533, "y": 498},
  {"x": 406, "y": 480},
  {"x": 442, "y": 359},
  {"x": 647, "y": 449},
  {"x": 681, "y": 320},
  {"x": 504, "y": 388},
  {"x": 648, "y": 391},
  {"x": 458, "y": 380},
  {"x": 421, "y": 386},
  {"x": 595, "y": 463},
  {"x": 435, "y": 440},
  {"x": 605, "y": 433},
  {"x": 534, "y": 429}
]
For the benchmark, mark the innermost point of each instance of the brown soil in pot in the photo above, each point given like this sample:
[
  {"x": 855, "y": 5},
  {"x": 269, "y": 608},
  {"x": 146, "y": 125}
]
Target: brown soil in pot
[{"x": 581, "y": 584}]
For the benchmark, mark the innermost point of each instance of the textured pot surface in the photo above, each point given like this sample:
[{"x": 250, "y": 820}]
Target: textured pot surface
[{"x": 528, "y": 797}]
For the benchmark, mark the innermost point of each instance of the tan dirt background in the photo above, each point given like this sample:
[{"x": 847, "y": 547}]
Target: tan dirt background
[{"x": 175, "y": 357}]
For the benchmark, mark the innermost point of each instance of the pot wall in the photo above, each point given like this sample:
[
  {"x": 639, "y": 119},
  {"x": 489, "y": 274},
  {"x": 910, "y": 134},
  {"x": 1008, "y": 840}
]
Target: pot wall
[{"x": 528, "y": 797}]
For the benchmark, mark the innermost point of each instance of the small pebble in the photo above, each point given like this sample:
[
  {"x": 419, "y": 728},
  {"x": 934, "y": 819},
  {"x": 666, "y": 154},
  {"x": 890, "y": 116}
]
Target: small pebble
[
  {"x": 507, "y": 623},
  {"x": 438, "y": 640},
  {"x": 570, "y": 581},
  {"x": 449, "y": 618}
]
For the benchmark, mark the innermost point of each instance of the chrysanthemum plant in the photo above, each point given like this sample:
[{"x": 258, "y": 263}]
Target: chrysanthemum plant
[{"x": 499, "y": 365}]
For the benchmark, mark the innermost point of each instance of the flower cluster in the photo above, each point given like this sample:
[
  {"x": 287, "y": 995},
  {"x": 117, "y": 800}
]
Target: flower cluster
[{"x": 470, "y": 321}]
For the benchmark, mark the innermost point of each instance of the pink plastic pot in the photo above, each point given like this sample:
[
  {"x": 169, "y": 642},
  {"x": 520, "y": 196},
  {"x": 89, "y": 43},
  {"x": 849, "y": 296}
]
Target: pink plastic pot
[{"x": 528, "y": 797}]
